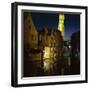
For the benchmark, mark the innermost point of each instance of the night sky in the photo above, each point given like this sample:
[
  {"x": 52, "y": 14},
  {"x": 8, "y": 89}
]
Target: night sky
[
  {"x": 72, "y": 24},
  {"x": 50, "y": 20},
  {"x": 42, "y": 20}
]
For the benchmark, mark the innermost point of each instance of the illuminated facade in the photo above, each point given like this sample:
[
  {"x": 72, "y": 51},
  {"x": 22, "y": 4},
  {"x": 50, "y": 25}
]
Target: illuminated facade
[
  {"x": 61, "y": 24},
  {"x": 42, "y": 49},
  {"x": 51, "y": 43},
  {"x": 30, "y": 33}
]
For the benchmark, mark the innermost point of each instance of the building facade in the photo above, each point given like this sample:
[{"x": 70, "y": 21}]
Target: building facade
[
  {"x": 42, "y": 49},
  {"x": 30, "y": 33}
]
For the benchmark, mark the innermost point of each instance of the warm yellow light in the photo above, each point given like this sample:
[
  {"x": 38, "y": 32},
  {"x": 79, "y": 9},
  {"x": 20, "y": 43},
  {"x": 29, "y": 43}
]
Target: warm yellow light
[
  {"x": 48, "y": 58},
  {"x": 61, "y": 24},
  {"x": 61, "y": 17},
  {"x": 47, "y": 65},
  {"x": 46, "y": 52}
]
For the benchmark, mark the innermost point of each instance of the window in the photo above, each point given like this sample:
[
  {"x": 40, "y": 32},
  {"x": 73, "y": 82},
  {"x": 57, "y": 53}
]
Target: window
[
  {"x": 29, "y": 26},
  {"x": 32, "y": 37}
]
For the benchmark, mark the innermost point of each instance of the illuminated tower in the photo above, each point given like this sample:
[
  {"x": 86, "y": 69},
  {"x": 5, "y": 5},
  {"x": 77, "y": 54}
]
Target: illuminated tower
[{"x": 61, "y": 24}]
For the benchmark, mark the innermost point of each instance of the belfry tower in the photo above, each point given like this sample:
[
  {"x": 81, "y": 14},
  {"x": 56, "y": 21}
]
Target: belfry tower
[{"x": 61, "y": 24}]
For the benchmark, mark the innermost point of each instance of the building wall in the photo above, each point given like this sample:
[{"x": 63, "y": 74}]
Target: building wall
[
  {"x": 30, "y": 33},
  {"x": 75, "y": 53},
  {"x": 51, "y": 43}
]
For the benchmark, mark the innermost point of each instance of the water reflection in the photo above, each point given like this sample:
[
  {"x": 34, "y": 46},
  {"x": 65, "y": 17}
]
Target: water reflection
[{"x": 48, "y": 59}]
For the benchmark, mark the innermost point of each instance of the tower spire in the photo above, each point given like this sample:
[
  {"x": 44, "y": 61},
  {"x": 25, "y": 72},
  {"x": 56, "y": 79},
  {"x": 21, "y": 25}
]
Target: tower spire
[{"x": 61, "y": 24}]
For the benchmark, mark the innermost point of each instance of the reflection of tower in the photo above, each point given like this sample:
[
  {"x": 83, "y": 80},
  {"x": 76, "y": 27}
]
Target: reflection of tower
[{"x": 61, "y": 24}]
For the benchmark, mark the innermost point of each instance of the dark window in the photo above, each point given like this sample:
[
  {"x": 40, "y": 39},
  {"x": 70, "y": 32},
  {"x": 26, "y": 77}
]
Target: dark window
[
  {"x": 29, "y": 26},
  {"x": 32, "y": 37}
]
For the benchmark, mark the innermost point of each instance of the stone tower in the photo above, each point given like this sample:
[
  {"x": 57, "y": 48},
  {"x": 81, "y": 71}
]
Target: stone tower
[{"x": 61, "y": 24}]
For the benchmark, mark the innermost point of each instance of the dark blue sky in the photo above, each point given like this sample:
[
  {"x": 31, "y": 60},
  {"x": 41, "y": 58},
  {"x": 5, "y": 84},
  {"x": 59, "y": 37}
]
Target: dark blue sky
[
  {"x": 50, "y": 20},
  {"x": 72, "y": 24},
  {"x": 42, "y": 20}
]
